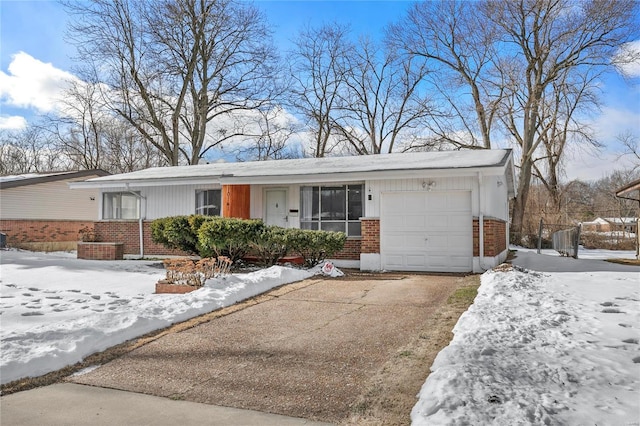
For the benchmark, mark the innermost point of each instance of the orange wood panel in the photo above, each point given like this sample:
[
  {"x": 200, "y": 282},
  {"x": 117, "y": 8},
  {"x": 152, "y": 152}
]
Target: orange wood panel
[{"x": 236, "y": 201}]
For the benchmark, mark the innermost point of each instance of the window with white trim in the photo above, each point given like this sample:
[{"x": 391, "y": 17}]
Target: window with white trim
[
  {"x": 120, "y": 205},
  {"x": 208, "y": 202},
  {"x": 332, "y": 208}
]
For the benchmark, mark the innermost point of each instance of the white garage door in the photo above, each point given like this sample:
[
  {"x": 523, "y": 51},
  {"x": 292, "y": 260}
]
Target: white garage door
[{"x": 426, "y": 231}]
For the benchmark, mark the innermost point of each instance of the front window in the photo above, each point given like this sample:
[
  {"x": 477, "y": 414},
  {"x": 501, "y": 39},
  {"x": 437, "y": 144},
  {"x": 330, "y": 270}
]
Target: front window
[
  {"x": 208, "y": 202},
  {"x": 332, "y": 208},
  {"x": 120, "y": 205}
]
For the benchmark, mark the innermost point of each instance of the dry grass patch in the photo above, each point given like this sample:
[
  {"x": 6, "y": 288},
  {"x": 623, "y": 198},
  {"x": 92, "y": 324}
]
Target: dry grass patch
[
  {"x": 631, "y": 262},
  {"x": 49, "y": 246},
  {"x": 390, "y": 394}
]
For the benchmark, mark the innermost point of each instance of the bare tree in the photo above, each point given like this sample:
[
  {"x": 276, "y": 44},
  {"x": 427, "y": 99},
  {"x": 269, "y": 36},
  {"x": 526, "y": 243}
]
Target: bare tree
[
  {"x": 272, "y": 136},
  {"x": 631, "y": 147},
  {"x": 559, "y": 125},
  {"x": 457, "y": 43},
  {"x": 319, "y": 69},
  {"x": 170, "y": 68},
  {"x": 506, "y": 60},
  {"x": 381, "y": 101},
  {"x": 30, "y": 150}
]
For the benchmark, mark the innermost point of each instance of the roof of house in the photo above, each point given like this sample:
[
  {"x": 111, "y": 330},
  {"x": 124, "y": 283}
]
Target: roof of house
[
  {"x": 596, "y": 221},
  {"x": 13, "y": 181},
  {"x": 317, "y": 168},
  {"x": 621, "y": 220}
]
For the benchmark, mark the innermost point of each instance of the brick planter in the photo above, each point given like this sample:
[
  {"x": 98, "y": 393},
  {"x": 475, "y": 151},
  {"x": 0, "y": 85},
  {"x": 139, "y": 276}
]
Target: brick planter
[
  {"x": 165, "y": 287},
  {"x": 100, "y": 251}
]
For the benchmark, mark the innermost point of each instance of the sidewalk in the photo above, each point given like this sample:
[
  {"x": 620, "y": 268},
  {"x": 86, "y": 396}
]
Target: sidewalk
[{"x": 72, "y": 404}]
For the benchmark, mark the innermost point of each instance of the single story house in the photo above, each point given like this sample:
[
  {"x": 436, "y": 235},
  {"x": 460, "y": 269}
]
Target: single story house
[
  {"x": 420, "y": 211},
  {"x": 611, "y": 224},
  {"x": 41, "y": 207}
]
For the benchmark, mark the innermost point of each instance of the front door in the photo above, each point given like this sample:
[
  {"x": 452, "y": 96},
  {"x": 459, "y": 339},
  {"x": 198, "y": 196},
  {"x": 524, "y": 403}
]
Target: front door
[{"x": 276, "y": 214}]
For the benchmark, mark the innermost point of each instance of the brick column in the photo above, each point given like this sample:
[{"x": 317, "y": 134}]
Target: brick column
[
  {"x": 370, "y": 235},
  {"x": 495, "y": 237}
]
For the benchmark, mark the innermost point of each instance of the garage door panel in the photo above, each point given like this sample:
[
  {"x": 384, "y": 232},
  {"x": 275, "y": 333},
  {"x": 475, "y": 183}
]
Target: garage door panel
[
  {"x": 415, "y": 261},
  {"x": 459, "y": 202},
  {"x": 415, "y": 222},
  {"x": 412, "y": 204},
  {"x": 427, "y": 231},
  {"x": 394, "y": 262}
]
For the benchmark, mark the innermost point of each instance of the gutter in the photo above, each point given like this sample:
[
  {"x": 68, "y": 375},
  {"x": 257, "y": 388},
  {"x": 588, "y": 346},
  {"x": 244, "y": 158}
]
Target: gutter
[{"x": 140, "y": 225}]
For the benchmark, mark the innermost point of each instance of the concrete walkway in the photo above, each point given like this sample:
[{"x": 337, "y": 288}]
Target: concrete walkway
[{"x": 71, "y": 404}]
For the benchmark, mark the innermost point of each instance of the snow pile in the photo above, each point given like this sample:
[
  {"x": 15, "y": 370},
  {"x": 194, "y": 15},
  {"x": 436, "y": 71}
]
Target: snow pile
[
  {"x": 56, "y": 310},
  {"x": 557, "y": 348}
]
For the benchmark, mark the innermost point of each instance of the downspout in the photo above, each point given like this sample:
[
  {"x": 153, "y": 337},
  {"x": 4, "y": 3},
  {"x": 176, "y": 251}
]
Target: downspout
[
  {"x": 480, "y": 224},
  {"x": 140, "y": 219}
]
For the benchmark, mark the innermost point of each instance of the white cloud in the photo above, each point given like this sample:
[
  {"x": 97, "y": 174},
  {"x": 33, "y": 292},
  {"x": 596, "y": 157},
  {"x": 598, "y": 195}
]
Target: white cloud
[
  {"x": 615, "y": 121},
  {"x": 594, "y": 165},
  {"x": 630, "y": 53},
  {"x": 31, "y": 83},
  {"x": 14, "y": 122}
]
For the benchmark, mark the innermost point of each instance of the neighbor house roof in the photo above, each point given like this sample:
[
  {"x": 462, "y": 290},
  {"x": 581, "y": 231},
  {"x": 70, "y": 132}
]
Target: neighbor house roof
[
  {"x": 596, "y": 221},
  {"x": 626, "y": 190},
  {"x": 621, "y": 220},
  {"x": 319, "y": 169},
  {"x": 13, "y": 181}
]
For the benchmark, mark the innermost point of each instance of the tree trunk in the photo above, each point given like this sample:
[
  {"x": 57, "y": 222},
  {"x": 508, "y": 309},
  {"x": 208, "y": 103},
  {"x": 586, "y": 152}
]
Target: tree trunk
[{"x": 519, "y": 205}]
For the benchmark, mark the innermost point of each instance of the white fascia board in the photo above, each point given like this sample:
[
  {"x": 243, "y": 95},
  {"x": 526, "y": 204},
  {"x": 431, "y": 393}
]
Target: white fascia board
[
  {"x": 359, "y": 176},
  {"x": 144, "y": 183}
]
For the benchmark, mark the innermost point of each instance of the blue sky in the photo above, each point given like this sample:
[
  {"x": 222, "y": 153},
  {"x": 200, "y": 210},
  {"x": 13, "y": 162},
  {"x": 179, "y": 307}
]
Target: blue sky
[{"x": 37, "y": 29}]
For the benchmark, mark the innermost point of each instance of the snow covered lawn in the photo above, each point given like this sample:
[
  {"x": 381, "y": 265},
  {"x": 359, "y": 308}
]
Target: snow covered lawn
[
  {"x": 541, "y": 348},
  {"x": 55, "y": 309}
]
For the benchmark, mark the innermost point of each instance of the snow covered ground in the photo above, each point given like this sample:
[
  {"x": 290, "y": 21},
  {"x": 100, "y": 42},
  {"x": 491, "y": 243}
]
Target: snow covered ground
[
  {"x": 541, "y": 348},
  {"x": 534, "y": 348},
  {"x": 55, "y": 309}
]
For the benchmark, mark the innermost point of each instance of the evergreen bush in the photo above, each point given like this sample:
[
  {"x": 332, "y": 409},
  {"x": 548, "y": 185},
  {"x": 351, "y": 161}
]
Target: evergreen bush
[{"x": 229, "y": 236}]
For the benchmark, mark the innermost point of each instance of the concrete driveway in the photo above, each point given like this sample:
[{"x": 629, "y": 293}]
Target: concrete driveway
[{"x": 306, "y": 350}]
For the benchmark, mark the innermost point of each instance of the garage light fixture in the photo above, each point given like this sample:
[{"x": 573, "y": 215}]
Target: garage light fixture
[{"x": 428, "y": 185}]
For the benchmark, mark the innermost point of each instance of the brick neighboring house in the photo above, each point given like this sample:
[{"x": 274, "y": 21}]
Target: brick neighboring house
[
  {"x": 419, "y": 211},
  {"x": 42, "y": 207}
]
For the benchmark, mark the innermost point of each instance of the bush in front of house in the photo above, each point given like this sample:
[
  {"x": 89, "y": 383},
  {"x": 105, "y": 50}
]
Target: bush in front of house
[
  {"x": 270, "y": 244},
  {"x": 211, "y": 236},
  {"x": 315, "y": 246},
  {"x": 179, "y": 232},
  {"x": 229, "y": 236}
]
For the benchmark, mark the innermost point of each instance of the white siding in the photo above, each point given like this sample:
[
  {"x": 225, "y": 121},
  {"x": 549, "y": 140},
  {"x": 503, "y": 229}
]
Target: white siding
[
  {"x": 163, "y": 201},
  {"x": 49, "y": 200},
  {"x": 495, "y": 203}
]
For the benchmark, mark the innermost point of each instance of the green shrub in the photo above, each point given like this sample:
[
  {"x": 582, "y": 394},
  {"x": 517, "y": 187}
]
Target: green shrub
[
  {"x": 179, "y": 232},
  {"x": 270, "y": 244},
  {"x": 315, "y": 246},
  {"x": 229, "y": 236}
]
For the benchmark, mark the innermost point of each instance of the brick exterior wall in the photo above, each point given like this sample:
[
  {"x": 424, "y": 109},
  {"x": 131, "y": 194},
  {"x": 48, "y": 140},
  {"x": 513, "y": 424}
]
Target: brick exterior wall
[
  {"x": 42, "y": 231},
  {"x": 495, "y": 237},
  {"x": 101, "y": 251},
  {"x": 351, "y": 250},
  {"x": 128, "y": 232},
  {"x": 370, "y": 235}
]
